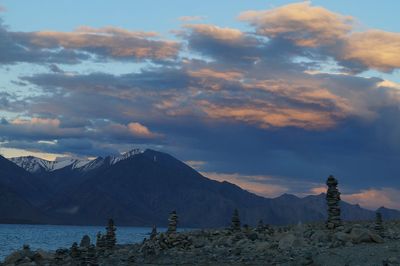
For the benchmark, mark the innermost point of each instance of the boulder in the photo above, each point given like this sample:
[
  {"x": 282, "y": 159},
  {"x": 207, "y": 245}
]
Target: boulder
[{"x": 287, "y": 242}]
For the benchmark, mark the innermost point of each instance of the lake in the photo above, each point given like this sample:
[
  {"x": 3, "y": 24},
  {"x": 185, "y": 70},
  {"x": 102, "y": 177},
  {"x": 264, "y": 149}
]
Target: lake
[{"x": 52, "y": 237}]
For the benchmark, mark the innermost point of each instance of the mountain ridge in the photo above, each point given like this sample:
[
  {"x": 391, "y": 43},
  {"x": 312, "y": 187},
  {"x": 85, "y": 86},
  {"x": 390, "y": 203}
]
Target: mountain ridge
[{"x": 141, "y": 187}]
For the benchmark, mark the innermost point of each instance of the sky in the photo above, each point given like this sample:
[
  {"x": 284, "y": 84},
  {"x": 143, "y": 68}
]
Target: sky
[{"x": 273, "y": 96}]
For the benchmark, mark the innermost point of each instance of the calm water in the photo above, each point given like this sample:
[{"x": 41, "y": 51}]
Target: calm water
[{"x": 51, "y": 237}]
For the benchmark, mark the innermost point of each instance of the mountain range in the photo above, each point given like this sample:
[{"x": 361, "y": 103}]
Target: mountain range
[{"x": 140, "y": 188}]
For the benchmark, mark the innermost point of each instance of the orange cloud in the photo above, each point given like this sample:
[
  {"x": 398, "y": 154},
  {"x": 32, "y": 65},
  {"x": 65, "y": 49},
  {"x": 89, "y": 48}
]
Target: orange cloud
[
  {"x": 106, "y": 41},
  {"x": 224, "y": 34},
  {"x": 250, "y": 183},
  {"x": 211, "y": 73},
  {"x": 375, "y": 198},
  {"x": 140, "y": 130},
  {"x": 36, "y": 121},
  {"x": 374, "y": 48},
  {"x": 302, "y": 23},
  {"x": 269, "y": 115}
]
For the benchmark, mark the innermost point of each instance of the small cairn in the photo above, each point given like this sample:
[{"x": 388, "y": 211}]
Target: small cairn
[
  {"x": 333, "y": 200},
  {"x": 85, "y": 242},
  {"x": 172, "y": 223},
  {"x": 101, "y": 241},
  {"x": 74, "y": 251},
  {"x": 153, "y": 234},
  {"x": 111, "y": 239},
  {"x": 260, "y": 226},
  {"x": 379, "y": 224},
  {"x": 90, "y": 258},
  {"x": 235, "y": 225}
]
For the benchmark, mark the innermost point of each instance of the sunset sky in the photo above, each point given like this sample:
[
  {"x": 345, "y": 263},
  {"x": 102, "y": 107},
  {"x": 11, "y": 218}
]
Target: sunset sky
[{"x": 271, "y": 95}]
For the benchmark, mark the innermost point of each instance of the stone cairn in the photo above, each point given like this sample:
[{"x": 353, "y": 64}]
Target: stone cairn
[
  {"x": 153, "y": 234},
  {"x": 74, "y": 251},
  {"x": 379, "y": 224},
  {"x": 101, "y": 241},
  {"x": 333, "y": 200},
  {"x": 235, "y": 224},
  {"x": 111, "y": 239},
  {"x": 260, "y": 226},
  {"x": 172, "y": 222},
  {"x": 85, "y": 242},
  {"x": 90, "y": 256}
]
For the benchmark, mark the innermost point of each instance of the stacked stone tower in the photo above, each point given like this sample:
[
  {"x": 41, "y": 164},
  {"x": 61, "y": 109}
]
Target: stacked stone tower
[
  {"x": 379, "y": 224},
  {"x": 90, "y": 256},
  {"x": 235, "y": 224},
  {"x": 101, "y": 241},
  {"x": 111, "y": 239},
  {"x": 153, "y": 234},
  {"x": 74, "y": 251},
  {"x": 260, "y": 226},
  {"x": 333, "y": 200},
  {"x": 172, "y": 222}
]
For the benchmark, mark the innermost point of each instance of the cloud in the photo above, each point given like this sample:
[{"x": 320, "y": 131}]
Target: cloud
[
  {"x": 374, "y": 49},
  {"x": 37, "y": 121},
  {"x": 104, "y": 42},
  {"x": 191, "y": 18},
  {"x": 140, "y": 130},
  {"x": 2, "y": 9},
  {"x": 323, "y": 32},
  {"x": 302, "y": 23},
  {"x": 251, "y": 183},
  {"x": 375, "y": 198},
  {"x": 85, "y": 43}
]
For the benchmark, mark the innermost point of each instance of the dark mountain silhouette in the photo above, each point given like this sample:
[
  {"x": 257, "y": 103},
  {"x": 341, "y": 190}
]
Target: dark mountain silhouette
[
  {"x": 141, "y": 188},
  {"x": 23, "y": 183}
]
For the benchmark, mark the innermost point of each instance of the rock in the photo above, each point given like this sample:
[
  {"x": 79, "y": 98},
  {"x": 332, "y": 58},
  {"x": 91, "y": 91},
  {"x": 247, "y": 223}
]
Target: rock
[
  {"x": 376, "y": 238},
  {"x": 319, "y": 236},
  {"x": 42, "y": 255},
  {"x": 262, "y": 247},
  {"x": 252, "y": 236},
  {"x": 341, "y": 236},
  {"x": 14, "y": 257},
  {"x": 359, "y": 235},
  {"x": 287, "y": 242}
]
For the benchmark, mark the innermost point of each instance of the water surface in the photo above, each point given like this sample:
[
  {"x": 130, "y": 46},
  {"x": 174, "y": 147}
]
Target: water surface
[{"x": 52, "y": 237}]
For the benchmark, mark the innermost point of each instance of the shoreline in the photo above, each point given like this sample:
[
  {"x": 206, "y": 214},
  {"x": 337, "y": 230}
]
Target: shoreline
[{"x": 303, "y": 244}]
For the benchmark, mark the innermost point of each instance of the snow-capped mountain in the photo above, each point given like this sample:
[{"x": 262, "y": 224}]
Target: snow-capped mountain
[{"x": 36, "y": 165}]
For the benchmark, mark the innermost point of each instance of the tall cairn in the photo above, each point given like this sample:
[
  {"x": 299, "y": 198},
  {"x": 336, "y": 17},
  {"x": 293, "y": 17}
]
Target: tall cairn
[
  {"x": 379, "y": 224},
  {"x": 235, "y": 223},
  {"x": 111, "y": 239},
  {"x": 172, "y": 222},
  {"x": 153, "y": 234},
  {"x": 333, "y": 200}
]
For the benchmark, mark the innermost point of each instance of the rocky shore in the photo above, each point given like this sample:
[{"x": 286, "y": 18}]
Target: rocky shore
[{"x": 308, "y": 244}]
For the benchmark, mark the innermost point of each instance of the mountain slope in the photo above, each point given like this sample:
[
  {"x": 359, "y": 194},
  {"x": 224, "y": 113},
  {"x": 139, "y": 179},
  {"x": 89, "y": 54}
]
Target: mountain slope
[
  {"x": 23, "y": 183},
  {"x": 15, "y": 209}
]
